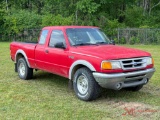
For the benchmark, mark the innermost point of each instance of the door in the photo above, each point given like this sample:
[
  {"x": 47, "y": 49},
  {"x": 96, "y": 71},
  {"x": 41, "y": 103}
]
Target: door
[
  {"x": 57, "y": 58},
  {"x": 40, "y": 51}
]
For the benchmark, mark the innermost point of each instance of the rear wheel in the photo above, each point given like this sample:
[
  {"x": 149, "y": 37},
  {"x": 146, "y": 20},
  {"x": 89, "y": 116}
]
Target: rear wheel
[
  {"x": 24, "y": 71},
  {"x": 85, "y": 86},
  {"x": 136, "y": 88}
]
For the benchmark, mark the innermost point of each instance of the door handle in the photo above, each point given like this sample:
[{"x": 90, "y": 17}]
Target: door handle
[{"x": 46, "y": 51}]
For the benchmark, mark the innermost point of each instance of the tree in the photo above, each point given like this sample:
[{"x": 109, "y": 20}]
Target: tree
[
  {"x": 104, "y": 13},
  {"x": 153, "y": 6},
  {"x": 3, "y": 13}
]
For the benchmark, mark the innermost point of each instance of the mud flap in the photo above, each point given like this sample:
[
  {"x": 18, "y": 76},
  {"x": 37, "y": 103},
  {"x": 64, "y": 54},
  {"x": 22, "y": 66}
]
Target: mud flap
[
  {"x": 70, "y": 84},
  {"x": 15, "y": 67}
]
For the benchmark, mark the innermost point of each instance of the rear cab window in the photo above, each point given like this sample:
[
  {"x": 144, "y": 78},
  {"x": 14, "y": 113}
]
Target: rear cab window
[{"x": 43, "y": 37}]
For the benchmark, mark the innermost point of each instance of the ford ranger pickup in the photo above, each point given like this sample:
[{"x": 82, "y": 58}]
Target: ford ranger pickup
[{"x": 85, "y": 56}]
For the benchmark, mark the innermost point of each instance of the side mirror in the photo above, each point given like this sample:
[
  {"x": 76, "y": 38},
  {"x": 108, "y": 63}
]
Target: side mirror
[
  {"x": 112, "y": 42},
  {"x": 60, "y": 45}
]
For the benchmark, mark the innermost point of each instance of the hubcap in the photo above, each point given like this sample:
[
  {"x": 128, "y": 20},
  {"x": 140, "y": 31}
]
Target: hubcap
[
  {"x": 82, "y": 84},
  {"x": 22, "y": 69}
]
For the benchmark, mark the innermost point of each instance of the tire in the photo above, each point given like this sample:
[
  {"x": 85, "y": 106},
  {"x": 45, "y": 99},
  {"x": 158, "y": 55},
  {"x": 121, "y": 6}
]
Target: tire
[
  {"x": 134, "y": 89},
  {"x": 85, "y": 86},
  {"x": 24, "y": 71}
]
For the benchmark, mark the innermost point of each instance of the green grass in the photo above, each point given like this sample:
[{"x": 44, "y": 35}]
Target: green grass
[{"x": 47, "y": 97}]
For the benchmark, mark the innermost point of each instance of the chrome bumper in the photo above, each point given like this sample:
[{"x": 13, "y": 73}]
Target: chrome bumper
[{"x": 122, "y": 80}]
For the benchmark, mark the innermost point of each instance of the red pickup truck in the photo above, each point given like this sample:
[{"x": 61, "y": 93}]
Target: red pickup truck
[{"x": 85, "y": 56}]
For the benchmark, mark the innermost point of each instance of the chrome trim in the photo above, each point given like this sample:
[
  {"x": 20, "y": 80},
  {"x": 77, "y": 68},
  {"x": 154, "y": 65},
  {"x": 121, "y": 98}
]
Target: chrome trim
[
  {"x": 128, "y": 79},
  {"x": 133, "y": 63}
]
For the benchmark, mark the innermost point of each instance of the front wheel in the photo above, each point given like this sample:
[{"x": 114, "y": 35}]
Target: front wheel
[
  {"x": 85, "y": 86},
  {"x": 24, "y": 71}
]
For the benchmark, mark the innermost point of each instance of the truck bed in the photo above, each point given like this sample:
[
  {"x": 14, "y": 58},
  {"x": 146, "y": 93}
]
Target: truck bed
[{"x": 27, "y": 47}]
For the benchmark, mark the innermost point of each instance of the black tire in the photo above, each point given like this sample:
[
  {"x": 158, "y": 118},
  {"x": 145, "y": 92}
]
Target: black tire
[
  {"x": 134, "y": 89},
  {"x": 85, "y": 86},
  {"x": 24, "y": 71}
]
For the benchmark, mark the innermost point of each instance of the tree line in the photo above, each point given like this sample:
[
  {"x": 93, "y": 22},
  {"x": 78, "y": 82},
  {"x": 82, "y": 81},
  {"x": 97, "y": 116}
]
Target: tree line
[{"x": 16, "y": 15}]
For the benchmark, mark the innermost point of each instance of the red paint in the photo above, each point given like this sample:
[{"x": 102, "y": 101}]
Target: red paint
[{"x": 59, "y": 61}]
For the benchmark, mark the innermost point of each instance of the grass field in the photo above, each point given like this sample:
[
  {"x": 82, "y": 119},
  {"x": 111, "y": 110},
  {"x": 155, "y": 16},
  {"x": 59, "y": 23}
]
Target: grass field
[{"x": 47, "y": 97}]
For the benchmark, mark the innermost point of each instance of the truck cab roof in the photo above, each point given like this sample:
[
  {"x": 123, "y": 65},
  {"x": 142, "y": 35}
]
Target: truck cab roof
[{"x": 65, "y": 27}]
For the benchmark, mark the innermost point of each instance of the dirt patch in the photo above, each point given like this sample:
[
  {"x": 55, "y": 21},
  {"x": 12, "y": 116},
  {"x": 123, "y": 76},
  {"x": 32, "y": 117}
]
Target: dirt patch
[{"x": 132, "y": 104}]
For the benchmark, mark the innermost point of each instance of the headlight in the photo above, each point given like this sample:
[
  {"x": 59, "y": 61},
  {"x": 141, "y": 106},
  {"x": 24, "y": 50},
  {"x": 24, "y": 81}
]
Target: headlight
[
  {"x": 108, "y": 65},
  {"x": 149, "y": 61}
]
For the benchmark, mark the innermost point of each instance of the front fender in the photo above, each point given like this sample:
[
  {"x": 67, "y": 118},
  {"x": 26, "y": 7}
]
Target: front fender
[{"x": 80, "y": 62}]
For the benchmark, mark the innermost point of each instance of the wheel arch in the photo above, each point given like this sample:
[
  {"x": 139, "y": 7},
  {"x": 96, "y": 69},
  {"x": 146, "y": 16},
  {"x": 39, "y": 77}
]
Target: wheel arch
[
  {"x": 78, "y": 64},
  {"x": 21, "y": 54}
]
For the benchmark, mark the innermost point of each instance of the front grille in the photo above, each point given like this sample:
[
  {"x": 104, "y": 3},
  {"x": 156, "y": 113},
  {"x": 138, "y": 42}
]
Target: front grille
[{"x": 128, "y": 64}]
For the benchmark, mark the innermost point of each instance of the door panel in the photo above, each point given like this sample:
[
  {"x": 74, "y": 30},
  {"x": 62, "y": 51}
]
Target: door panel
[
  {"x": 40, "y": 53},
  {"x": 50, "y": 58},
  {"x": 57, "y": 60}
]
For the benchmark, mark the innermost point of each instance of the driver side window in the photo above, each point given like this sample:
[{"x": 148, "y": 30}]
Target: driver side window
[{"x": 56, "y": 37}]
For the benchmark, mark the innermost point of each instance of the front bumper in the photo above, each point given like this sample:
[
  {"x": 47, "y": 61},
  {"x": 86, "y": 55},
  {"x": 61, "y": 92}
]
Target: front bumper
[{"x": 122, "y": 80}]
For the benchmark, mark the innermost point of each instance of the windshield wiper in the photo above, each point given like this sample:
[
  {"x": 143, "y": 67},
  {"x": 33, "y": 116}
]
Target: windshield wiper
[
  {"x": 101, "y": 42},
  {"x": 82, "y": 44}
]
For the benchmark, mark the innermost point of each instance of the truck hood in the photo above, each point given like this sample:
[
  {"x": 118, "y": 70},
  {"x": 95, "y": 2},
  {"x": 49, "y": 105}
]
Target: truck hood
[{"x": 110, "y": 52}]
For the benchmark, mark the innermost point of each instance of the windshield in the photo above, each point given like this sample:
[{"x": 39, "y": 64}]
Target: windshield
[{"x": 86, "y": 36}]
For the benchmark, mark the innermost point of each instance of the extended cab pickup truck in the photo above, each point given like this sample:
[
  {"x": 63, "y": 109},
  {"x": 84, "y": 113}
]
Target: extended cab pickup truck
[{"x": 85, "y": 56}]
